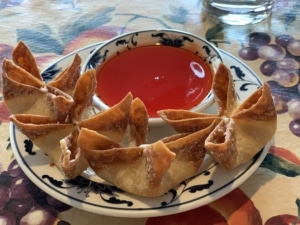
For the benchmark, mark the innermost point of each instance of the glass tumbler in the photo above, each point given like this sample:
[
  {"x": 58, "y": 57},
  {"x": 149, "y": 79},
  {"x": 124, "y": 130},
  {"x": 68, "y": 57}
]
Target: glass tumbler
[{"x": 238, "y": 12}]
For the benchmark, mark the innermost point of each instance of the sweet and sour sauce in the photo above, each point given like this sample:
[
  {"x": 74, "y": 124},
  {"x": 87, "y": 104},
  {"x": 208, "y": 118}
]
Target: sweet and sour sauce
[{"x": 163, "y": 77}]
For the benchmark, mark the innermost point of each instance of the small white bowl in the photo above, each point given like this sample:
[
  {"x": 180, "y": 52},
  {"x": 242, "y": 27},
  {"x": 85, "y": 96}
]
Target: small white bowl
[{"x": 206, "y": 52}]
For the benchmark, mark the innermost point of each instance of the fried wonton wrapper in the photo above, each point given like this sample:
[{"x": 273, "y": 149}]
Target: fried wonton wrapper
[
  {"x": 242, "y": 129},
  {"x": 44, "y": 132},
  {"x": 22, "y": 73},
  {"x": 22, "y": 56},
  {"x": 65, "y": 81},
  {"x": 138, "y": 122},
  {"x": 83, "y": 97},
  {"x": 112, "y": 122},
  {"x": 111, "y": 125},
  {"x": 71, "y": 161},
  {"x": 150, "y": 170},
  {"x": 26, "y": 94},
  {"x": 238, "y": 138},
  {"x": 44, "y": 112}
]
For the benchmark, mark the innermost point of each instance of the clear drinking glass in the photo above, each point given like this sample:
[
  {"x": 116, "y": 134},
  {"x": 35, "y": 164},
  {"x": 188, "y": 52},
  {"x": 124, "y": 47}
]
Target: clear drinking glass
[{"x": 238, "y": 12}]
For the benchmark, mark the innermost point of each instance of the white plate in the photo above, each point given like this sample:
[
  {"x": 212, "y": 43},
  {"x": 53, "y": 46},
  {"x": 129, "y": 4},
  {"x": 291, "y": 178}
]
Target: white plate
[{"x": 92, "y": 194}]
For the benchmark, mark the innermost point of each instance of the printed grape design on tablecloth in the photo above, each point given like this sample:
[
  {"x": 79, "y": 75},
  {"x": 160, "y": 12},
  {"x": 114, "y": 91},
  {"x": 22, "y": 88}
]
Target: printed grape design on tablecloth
[
  {"x": 22, "y": 202},
  {"x": 282, "y": 65}
]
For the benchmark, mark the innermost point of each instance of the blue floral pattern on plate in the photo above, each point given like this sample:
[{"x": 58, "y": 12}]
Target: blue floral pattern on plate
[{"x": 165, "y": 37}]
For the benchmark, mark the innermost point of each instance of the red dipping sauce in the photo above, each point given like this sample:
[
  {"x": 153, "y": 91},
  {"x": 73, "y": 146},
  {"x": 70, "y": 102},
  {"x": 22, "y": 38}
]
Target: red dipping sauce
[{"x": 163, "y": 77}]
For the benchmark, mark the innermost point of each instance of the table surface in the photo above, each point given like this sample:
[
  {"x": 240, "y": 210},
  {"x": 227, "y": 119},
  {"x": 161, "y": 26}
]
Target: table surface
[{"x": 55, "y": 28}]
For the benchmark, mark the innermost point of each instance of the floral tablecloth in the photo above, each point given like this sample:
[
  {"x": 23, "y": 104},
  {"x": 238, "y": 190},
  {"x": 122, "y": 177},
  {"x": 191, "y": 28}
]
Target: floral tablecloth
[{"x": 271, "y": 48}]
